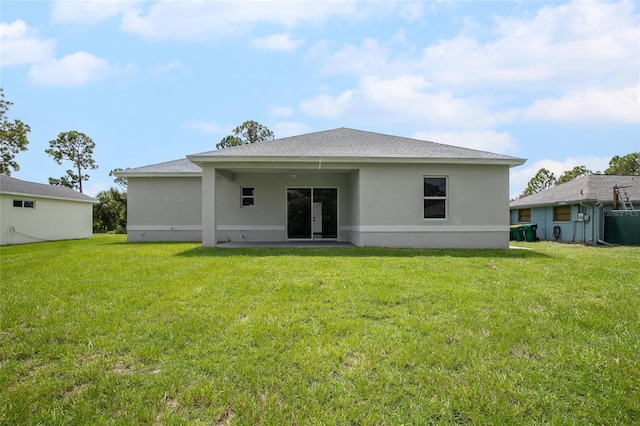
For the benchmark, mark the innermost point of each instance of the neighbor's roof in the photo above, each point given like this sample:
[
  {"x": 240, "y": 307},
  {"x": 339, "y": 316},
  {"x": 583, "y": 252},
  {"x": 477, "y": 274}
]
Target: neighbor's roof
[
  {"x": 182, "y": 167},
  {"x": 346, "y": 145},
  {"x": 585, "y": 188},
  {"x": 9, "y": 185}
]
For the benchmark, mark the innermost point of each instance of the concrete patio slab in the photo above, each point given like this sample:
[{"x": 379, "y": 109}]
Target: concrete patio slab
[{"x": 287, "y": 244}]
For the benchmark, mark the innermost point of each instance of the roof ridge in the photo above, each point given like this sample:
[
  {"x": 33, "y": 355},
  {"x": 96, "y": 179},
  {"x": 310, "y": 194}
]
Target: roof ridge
[{"x": 353, "y": 143}]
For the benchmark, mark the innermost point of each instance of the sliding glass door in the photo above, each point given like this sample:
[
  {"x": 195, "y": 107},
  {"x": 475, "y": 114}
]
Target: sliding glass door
[{"x": 312, "y": 213}]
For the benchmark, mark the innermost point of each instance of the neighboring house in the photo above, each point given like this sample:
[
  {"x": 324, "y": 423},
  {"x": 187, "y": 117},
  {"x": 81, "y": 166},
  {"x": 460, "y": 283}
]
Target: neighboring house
[
  {"x": 343, "y": 185},
  {"x": 31, "y": 212},
  {"x": 581, "y": 209}
]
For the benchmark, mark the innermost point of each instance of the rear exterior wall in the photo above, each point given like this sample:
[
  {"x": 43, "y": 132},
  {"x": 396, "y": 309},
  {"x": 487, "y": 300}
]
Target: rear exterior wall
[
  {"x": 392, "y": 210},
  {"x": 266, "y": 220},
  {"x": 164, "y": 209}
]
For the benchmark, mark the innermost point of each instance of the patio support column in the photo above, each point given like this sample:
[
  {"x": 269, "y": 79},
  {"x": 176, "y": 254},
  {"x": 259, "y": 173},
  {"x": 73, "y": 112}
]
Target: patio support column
[{"x": 209, "y": 206}]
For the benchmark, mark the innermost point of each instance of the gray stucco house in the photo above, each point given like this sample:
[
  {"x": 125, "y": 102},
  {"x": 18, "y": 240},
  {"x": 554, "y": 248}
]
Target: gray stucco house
[
  {"x": 580, "y": 210},
  {"x": 32, "y": 212},
  {"x": 343, "y": 185}
]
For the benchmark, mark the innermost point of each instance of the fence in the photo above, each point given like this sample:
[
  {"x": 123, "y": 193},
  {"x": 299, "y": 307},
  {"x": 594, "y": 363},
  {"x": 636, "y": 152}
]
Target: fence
[{"x": 622, "y": 227}]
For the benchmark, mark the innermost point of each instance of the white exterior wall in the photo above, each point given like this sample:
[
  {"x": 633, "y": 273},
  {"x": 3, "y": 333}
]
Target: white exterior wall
[
  {"x": 164, "y": 209},
  {"x": 354, "y": 202},
  {"x": 267, "y": 219},
  {"x": 50, "y": 220},
  {"x": 391, "y": 207},
  {"x": 378, "y": 204}
]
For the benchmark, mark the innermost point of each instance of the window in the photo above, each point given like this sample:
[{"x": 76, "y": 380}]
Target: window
[
  {"x": 247, "y": 197},
  {"x": 435, "y": 197},
  {"x": 562, "y": 214},
  {"x": 524, "y": 215},
  {"x": 24, "y": 203}
]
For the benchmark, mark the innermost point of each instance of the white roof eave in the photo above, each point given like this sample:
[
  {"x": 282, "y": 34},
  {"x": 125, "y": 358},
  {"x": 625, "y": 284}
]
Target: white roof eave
[
  {"x": 126, "y": 175},
  {"x": 210, "y": 159},
  {"x": 48, "y": 197}
]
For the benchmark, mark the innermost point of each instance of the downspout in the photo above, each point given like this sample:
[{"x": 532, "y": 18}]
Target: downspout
[
  {"x": 596, "y": 215},
  {"x": 584, "y": 226},
  {"x": 583, "y": 207}
]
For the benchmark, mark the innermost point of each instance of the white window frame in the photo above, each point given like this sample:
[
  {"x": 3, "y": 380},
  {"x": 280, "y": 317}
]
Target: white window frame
[
  {"x": 251, "y": 197},
  {"x": 23, "y": 204},
  {"x": 437, "y": 197}
]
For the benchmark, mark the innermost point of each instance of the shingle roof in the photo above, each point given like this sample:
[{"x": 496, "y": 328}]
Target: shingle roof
[
  {"x": 182, "y": 166},
  {"x": 337, "y": 144},
  {"x": 9, "y": 185},
  {"x": 584, "y": 188},
  {"x": 352, "y": 144}
]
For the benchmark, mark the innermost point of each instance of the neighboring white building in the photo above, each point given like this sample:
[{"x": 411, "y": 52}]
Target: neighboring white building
[
  {"x": 340, "y": 185},
  {"x": 31, "y": 212}
]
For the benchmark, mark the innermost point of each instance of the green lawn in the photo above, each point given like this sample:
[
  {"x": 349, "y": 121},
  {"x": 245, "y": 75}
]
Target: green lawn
[{"x": 104, "y": 332}]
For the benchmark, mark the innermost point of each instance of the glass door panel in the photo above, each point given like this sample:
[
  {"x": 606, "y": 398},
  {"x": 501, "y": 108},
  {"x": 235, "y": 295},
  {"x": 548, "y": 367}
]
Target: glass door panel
[
  {"x": 299, "y": 213},
  {"x": 328, "y": 198}
]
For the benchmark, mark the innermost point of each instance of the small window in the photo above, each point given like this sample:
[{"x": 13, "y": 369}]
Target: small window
[
  {"x": 435, "y": 197},
  {"x": 248, "y": 196},
  {"x": 29, "y": 204},
  {"x": 562, "y": 214},
  {"x": 17, "y": 203},
  {"x": 524, "y": 215}
]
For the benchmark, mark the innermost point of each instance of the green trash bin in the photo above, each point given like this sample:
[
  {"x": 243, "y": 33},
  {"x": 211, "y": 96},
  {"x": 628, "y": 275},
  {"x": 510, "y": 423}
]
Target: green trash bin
[
  {"x": 516, "y": 233},
  {"x": 530, "y": 232}
]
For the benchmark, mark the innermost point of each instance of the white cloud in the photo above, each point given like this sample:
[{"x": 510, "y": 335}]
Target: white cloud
[
  {"x": 568, "y": 45},
  {"x": 169, "y": 67},
  {"x": 77, "y": 69},
  {"x": 290, "y": 128},
  {"x": 411, "y": 98},
  {"x": 412, "y": 11},
  {"x": 96, "y": 188},
  {"x": 350, "y": 59},
  {"x": 277, "y": 43},
  {"x": 328, "y": 106},
  {"x": 207, "y": 127},
  {"x": 520, "y": 176},
  {"x": 210, "y": 20},
  {"x": 536, "y": 67},
  {"x": 88, "y": 12},
  {"x": 21, "y": 45},
  {"x": 590, "y": 105},
  {"x": 404, "y": 100},
  {"x": 484, "y": 140}
]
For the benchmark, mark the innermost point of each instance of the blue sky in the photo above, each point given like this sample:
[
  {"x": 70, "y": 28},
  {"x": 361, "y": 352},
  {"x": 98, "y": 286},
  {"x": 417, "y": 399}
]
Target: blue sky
[{"x": 557, "y": 83}]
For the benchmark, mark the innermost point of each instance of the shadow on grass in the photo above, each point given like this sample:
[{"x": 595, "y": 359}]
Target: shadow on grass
[
  {"x": 360, "y": 252},
  {"x": 315, "y": 251}
]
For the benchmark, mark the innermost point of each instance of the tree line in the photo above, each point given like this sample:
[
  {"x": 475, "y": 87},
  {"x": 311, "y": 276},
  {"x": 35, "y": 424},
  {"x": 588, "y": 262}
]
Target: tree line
[
  {"x": 626, "y": 165},
  {"x": 72, "y": 146},
  {"x": 110, "y": 213}
]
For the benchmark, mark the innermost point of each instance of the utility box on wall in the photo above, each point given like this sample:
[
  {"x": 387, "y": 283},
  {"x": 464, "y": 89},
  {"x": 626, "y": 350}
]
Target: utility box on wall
[{"x": 582, "y": 217}]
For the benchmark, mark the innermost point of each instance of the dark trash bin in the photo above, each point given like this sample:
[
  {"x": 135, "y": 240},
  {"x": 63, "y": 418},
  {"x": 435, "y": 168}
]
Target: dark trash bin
[
  {"x": 516, "y": 233},
  {"x": 530, "y": 232}
]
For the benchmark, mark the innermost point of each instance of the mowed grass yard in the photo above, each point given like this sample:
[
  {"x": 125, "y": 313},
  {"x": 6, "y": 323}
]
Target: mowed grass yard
[{"x": 100, "y": 331}]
